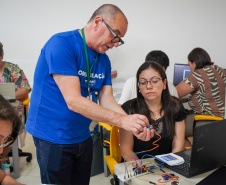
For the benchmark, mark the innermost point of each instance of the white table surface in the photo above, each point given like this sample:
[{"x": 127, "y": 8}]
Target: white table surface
[{"x": 120, "y": 169}]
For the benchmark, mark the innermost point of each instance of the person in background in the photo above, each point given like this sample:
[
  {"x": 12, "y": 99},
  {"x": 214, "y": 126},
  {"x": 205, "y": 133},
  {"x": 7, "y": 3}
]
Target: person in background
[
  {"x": 206, "y": 86},
  {"x": 114, "y": 74},
  {"x": 9, "y": 73},
  {"x": 129, "y": 89},
  {"x": 10, "y": 125},
  {"x": 72, "y": 68},
  {"x": 166, "y": 115}
]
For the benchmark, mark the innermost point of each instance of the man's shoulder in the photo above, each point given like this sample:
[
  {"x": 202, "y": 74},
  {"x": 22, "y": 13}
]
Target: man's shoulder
[
  {"x": 172, "y": 89},
  {"x": 66, "y": 33},
  {"x": 62, "y": 40},
  {"x": 63, "y": 37},
  {"x": 131, "y": 80}
]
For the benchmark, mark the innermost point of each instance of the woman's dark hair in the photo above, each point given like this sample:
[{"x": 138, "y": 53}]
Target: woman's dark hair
[
  {"x": 200, "y": 57},
  {"x": 8, "y": 113},
  {"x": 169, "y": 105}
]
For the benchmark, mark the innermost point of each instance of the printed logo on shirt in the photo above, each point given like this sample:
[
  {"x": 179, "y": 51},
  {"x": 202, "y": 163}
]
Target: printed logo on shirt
[
  {"x": 91, "y": 82},
  {"x": 83, "y": 73}
]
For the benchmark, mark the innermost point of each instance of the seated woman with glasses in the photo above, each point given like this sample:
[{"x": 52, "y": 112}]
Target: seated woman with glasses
[
  {"x": 11, "y": 73},
  {"x": 166, "y": 115},
  {"x": 9, "y": 128}
]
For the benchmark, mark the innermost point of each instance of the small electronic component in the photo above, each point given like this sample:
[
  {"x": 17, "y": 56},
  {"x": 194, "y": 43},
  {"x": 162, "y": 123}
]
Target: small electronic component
[
  {"x": 140, "y": 170},
  {"x": 150, "y": 127},
  {"x": 166, "y": 177}
]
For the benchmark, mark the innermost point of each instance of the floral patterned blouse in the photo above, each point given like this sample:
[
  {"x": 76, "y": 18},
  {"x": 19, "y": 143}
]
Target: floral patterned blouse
[{"x": 12, "y": 73}]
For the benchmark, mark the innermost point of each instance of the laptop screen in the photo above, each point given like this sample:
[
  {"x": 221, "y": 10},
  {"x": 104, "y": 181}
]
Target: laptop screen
[
  {"x": 181, "y": 71},
  {"x": 7, "y": 90}
]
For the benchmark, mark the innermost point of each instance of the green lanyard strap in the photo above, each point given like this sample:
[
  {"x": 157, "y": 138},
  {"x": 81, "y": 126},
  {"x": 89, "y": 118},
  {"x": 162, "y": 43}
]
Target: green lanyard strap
[{"x": 88, "y": 71}]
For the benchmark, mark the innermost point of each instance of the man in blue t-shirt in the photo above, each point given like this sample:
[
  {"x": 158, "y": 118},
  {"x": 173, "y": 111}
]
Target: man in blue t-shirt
[{"x": 71, "y": 72}]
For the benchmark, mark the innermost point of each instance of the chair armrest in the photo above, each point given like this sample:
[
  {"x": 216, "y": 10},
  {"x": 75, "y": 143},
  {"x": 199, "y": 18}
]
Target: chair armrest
[
  {"x": 186, "y": 148},
  {"x": 26, "y": 102},
  {"x": 106, "y": 126},
  {"x": 104, "y": 143},
  {"x": 207, "y": 117}
]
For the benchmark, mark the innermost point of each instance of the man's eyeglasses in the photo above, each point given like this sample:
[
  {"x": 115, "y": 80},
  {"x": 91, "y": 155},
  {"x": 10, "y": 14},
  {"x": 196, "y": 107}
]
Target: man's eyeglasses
[
  {"x": 154, "y": 81},
  {"x": 116, "y": 39},
  {"x": 7, "y": 141}
]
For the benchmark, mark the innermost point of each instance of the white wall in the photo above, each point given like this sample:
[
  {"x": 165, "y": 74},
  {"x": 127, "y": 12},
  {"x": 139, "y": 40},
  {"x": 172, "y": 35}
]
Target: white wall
[{"x": 173, "y": 26}]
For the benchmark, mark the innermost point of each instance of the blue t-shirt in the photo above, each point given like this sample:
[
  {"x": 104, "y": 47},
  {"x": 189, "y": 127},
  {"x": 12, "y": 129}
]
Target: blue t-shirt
[{"x": 49, "y": 117}]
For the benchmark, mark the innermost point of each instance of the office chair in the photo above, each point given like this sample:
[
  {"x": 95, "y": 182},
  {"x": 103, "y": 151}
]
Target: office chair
[
  {"x": 115, "y": 152},
  {"x": 205, "y": 119},
  {"x": 105, "y": 137},
  {"x": 113, "y": 144},
  {"x": 202, "y": 120},
  {"x": 105, "y": 131},
  {"x": 26, "y": 101}
]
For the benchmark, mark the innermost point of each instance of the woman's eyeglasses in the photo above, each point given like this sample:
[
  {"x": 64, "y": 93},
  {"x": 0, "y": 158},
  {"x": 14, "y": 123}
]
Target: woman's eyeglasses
[
  {"x": 154, "y": 82},
  {"x": 7, "y": 141}
]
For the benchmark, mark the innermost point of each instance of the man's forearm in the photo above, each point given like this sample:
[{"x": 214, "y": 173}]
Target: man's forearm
[{"x": 95, "y": 112}]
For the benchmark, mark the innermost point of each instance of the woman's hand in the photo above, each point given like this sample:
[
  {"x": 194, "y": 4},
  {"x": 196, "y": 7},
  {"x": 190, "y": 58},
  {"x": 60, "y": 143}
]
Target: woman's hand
[{"x": 10, "y": 181}]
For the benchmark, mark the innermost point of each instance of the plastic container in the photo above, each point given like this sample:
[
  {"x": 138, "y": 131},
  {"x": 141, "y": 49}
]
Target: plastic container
[{"x": 6, "y": 169}]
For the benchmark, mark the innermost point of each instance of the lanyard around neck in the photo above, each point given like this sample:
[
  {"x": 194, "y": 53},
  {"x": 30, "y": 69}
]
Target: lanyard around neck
[{"x": 88, "y": 70}]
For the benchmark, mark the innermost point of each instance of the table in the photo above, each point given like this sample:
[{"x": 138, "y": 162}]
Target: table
[{"x": 120, "y": 169}]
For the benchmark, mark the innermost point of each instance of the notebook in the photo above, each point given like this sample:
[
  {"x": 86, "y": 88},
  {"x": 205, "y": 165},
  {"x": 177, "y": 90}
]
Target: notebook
[
  {"x": 208, "y": 151},
  {"x": 7, "y": 90}
]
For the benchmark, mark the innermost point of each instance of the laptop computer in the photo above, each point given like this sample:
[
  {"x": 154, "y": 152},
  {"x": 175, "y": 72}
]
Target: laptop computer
[
  {"x": 7, "y": 90},
  {"x": 208, "y": 151},
  {"x": 181, "y": 71}
]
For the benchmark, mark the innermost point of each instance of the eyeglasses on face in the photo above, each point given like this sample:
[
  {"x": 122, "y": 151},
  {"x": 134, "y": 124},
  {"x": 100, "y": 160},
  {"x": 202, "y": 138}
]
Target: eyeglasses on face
[
  {"x": 7, "y": 141},
  {"x": 116, "y": 39},
  {"x": 154, "y": 81}
]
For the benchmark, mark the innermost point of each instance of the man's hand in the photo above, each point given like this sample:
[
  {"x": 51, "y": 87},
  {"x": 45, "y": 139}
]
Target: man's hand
[{"x": 137, "y": 124}]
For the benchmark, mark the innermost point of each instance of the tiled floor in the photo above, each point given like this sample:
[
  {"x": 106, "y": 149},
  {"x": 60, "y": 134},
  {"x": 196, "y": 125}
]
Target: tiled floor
[{"x": 30, "y": 174}]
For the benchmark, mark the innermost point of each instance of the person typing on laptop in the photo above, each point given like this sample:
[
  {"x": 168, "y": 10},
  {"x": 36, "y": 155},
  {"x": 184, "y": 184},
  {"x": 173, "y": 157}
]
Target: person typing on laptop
[
  {"x": 9, "y": 73},
  {"x": 206, "y": 84},
  {"x": 166, "y": 115}
]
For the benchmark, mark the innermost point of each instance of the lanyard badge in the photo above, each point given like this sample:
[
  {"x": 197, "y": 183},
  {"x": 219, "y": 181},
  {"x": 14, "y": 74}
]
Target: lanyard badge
[{"x": 88, "y": 69}]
